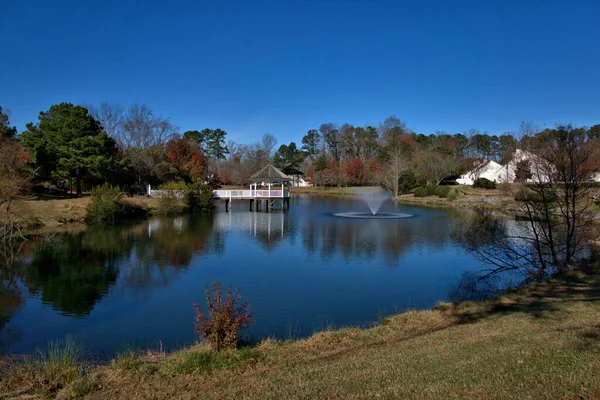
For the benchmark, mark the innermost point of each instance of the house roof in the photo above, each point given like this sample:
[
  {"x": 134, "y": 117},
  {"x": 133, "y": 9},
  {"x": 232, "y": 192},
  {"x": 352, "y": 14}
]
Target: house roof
[{"x": 269, "y": 174}]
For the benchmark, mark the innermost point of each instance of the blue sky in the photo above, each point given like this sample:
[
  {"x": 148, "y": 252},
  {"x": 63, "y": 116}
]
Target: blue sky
[{"x": 285, "y": 67}]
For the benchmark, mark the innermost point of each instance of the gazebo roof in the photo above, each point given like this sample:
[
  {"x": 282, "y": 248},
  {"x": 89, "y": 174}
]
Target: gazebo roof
[{"x": 269, "y": 174}]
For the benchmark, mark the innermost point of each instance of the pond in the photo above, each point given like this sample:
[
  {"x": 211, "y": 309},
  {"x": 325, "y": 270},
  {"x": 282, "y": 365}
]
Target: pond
[{"x": 132, "y": 285}]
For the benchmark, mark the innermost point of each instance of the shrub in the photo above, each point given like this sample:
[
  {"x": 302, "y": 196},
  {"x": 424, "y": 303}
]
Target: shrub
[
  {"x": 452, "y": 195},
  {"x": 484, "y": 183},
  {"x": 406, "y": 182},
  {"x": 170, "y": 200},
  {"x": 106, "y": 203},
  {"x": 431, "y": 190},
  {"x": 442, "y": 191},
  {"x": 225, "y": 317},
  {"x": 199, "y": 198},
  {"x": 421, "y": 191}
]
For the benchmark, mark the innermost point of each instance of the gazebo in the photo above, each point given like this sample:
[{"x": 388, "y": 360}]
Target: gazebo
[{"x": 271, "y": 177}]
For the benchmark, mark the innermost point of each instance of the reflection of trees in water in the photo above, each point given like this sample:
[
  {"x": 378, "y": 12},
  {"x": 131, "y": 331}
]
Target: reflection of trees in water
[
  {"x": 77, "y": 270},
  {"x": 70, "y": 275},
  {"x": 369, "y": 239},
  {"x": 165, "y": 246},
  {"x": 11, "y": 298}
]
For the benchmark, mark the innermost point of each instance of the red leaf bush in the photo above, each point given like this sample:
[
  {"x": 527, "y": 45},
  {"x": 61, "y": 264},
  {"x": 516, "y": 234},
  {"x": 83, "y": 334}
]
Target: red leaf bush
[{"x": 226, "y": 317}]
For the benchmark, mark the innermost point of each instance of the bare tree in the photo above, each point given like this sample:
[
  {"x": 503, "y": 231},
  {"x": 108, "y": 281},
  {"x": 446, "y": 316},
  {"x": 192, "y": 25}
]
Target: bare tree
[
  {"x": 556, "y": 207},
  {"x": 391, "y": 129},
  {"x": 111, "y": 116},
  {"x": 268, "y": 143},
  {"x": 397, "y": 161},
  {"x": 434, "y": 166}
]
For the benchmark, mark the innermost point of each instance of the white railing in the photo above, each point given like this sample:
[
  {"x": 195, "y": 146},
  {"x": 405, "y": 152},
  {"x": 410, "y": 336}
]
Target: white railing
[
  {"x": 231, "y": 194},
  {"x": 239, "y": 194}
]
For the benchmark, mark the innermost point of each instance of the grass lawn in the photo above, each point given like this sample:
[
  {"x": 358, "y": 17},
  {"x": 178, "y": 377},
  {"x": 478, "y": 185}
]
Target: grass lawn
[{"x": 541, "y": 343}]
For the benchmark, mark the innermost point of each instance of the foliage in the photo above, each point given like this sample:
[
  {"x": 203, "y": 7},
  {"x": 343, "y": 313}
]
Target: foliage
[
  {"x": 225, "y": 318},
  {"x": 186, "y": 158},
  {"x": 421, "y": 191},
  {"x": 6, "y": 131},
  {"x": 523, "y": 171},
  {"x": 288, "y": 157},
  {"x": 170, "y": 201},
  {"x": 406, "y": 182},
  {"x": 199, "y": 198},
  {"x": 311, "y": 143},
  {"x": 452, "y": 195},
  {"x": 69, "y": 143},
  {"x": 484, "y": 183},
  {"x": 106, "y": 203}
]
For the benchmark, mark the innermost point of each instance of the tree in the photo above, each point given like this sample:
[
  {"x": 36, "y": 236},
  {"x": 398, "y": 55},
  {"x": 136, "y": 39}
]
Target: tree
[
  {"x": 331, "y": 140},
  {"x": 508, "y": 145},
  {"x": 555, "y": 206},
  {"x": 433, "y": 166},
  {"x": 197, "y": 137},
  {"x": 6, "y": 131},
  {"x": 593, "y": 132},
  {"x": 215, "y": 143},
  {"x": 14, "y": 178},
  {"x": 268, "y": 143},
  {"x": 523, "y": 171},
  {"x": 288, "y": 157},
  {"x": 69, "y": 143},
  {"x": 396, "y": 162},
  {"x": 311, "y": 143},
  {"x": 187, "y": 159},
  {"x": 391, "y": 129}
]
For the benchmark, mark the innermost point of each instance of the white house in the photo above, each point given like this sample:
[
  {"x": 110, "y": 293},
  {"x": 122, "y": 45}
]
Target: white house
[
  {"x": 507, "y": 173},
  {"x": 297, "y": 177},
  {"x": 488, "y": 169}
]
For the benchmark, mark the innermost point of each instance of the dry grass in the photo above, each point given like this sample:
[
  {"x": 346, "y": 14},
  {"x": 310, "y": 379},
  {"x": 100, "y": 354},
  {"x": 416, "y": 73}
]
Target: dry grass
[
  {"x": 541, "y": 343},
  {"x": 37, "y": 215}
]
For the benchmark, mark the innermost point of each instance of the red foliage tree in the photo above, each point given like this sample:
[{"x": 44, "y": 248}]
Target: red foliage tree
[{"x": 187, "y": 158}]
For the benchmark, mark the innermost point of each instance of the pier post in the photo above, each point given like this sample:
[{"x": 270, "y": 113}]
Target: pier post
[{"x": 226, "y": 205}]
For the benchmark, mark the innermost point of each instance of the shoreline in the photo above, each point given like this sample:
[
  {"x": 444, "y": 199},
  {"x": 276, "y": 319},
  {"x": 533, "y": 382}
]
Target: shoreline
[{"x": 515, "y": 335}]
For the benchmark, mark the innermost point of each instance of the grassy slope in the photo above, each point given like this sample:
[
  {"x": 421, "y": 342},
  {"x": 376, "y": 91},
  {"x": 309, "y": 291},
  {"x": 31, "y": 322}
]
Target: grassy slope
[
  {"x": 37, "y": 214},
  {"x": 543, "y": 342}
]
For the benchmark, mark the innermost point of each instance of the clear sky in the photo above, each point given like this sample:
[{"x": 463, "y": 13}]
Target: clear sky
[{"x": 285, "y": 67}]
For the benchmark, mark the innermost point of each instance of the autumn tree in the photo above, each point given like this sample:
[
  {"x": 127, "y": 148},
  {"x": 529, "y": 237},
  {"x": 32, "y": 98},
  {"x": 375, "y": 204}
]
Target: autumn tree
[{"x": 186, "y": 158}]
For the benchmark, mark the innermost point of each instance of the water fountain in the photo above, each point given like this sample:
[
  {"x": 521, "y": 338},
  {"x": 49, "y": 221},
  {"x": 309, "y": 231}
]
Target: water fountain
[{"x": 374, "y": 200}]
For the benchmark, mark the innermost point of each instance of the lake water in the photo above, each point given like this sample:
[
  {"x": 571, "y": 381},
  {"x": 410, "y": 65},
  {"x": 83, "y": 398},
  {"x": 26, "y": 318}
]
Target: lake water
[{"x": 132, "y": 285}]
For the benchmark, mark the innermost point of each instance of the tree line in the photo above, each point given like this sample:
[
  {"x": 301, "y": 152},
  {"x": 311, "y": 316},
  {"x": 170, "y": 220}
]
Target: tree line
[{"x": 76, "y": 147}]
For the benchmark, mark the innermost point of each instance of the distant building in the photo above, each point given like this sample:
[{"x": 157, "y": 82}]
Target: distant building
[
  {"x": 297, "y": 177},
  {"x": 488, "y": 169},
  {"x": 508, "y": 173}
]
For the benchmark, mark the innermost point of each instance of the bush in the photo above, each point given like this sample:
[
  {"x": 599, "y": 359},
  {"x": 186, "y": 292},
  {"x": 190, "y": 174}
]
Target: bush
[
  {"x": 171, "y": 196},
  {"x": 225, "y": 317},
  {"x": 199, "y": 198},
  {"x": 442, "y": 191},
  {"x": 452, "y": 195},
  {"x": 406, "y": 182},
  {"x": 484, "y": 183},
  {"x": 421, "y": 191},
  {"x": 106, "y": 203}
]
